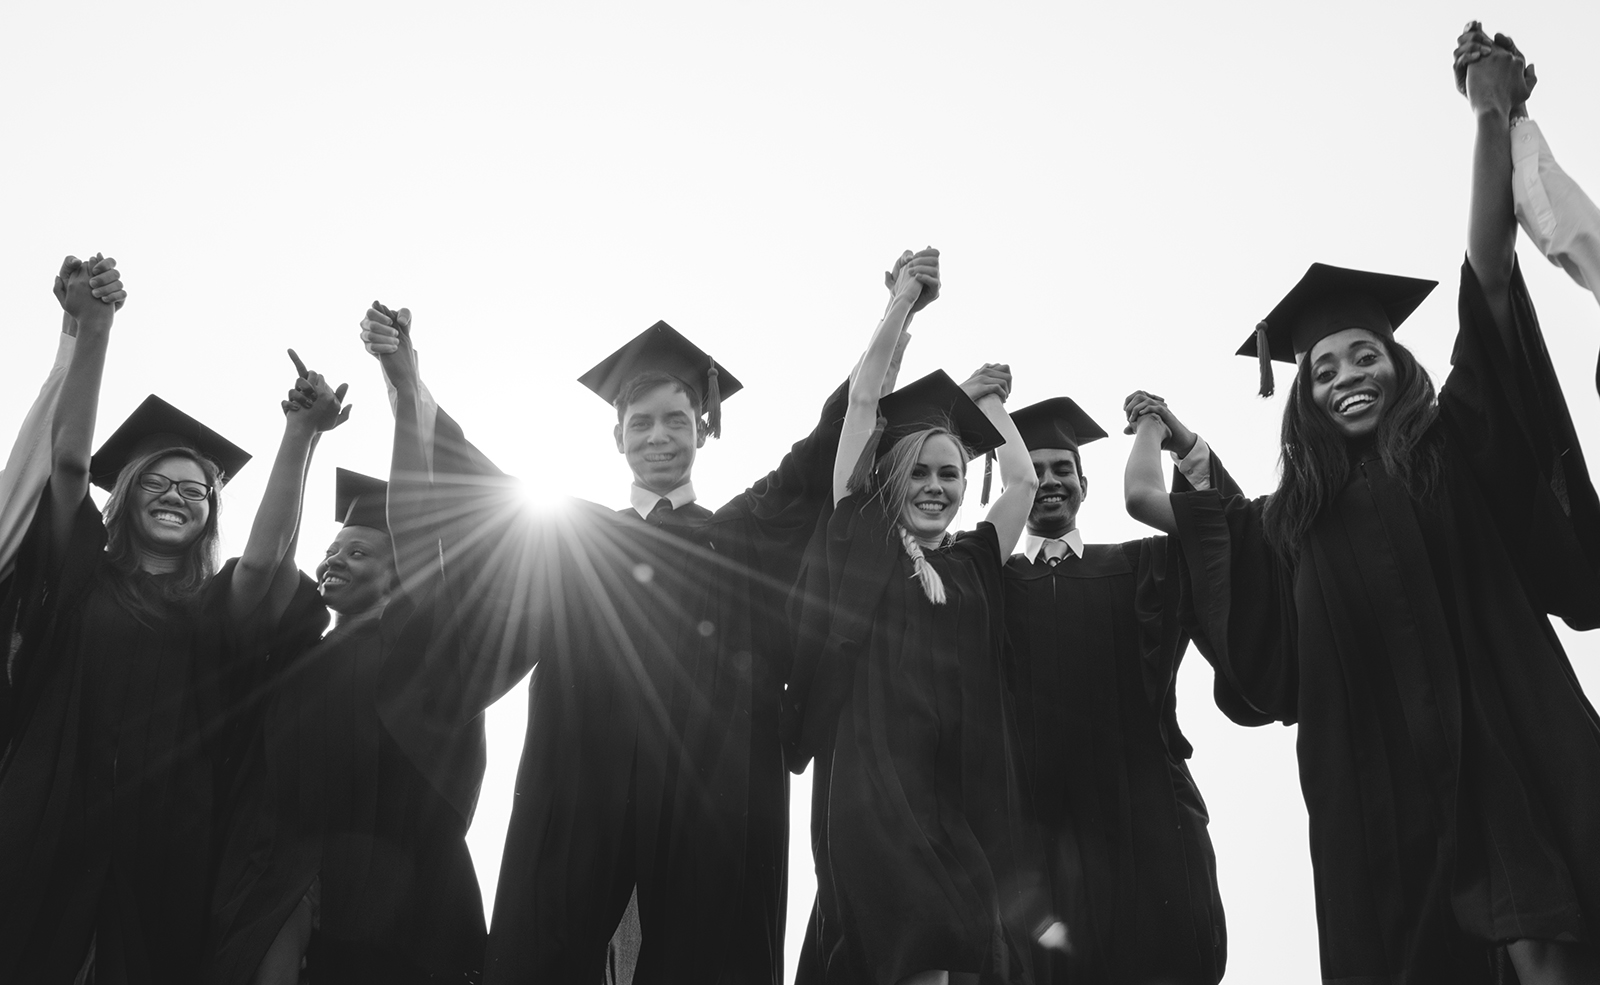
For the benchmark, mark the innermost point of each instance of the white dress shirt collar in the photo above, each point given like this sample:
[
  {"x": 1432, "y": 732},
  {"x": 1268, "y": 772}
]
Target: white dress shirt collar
[
  {"x": 1033, "y": 546},
  {"x": 643, "y": 500}
]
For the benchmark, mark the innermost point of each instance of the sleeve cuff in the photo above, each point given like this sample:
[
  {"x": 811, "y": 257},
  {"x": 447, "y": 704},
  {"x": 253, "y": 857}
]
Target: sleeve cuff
[{"x": 1196, "y": 466}]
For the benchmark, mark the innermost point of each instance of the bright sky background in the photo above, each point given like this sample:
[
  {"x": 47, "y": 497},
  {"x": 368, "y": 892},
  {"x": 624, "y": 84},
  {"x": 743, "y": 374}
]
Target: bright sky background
[{"x": 1119, "y": 190}]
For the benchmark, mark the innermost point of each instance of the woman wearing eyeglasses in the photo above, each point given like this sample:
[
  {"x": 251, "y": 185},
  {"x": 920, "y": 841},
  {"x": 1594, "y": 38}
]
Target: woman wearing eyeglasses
[{"x": 129, "y": 660}]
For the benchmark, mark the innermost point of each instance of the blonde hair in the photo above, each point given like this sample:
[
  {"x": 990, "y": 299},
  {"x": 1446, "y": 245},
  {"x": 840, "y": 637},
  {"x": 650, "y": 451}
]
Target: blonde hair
[{"x": 892, "y": 485}]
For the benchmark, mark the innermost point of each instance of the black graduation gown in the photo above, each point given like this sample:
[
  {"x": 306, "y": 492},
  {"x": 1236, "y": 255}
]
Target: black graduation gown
[
  {"x": 652, "y": 756},
  {"x": 917, "y": 827},
  {"x": 117, "y": 750},
  {"x": 1449, "y": 760},
  {"x": 327, "y": 794},
  {"x": 1093, "y": 649}
]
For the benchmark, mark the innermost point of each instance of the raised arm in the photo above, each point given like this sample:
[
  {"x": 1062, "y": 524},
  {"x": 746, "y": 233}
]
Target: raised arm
[
  {"x": 312, "y": 407},
  {"x": 1144, "y": 488},
  {"x": 916, "y": 284},
  {"x": 1009, "y": 513},
  {"x": 1496, "y": 84},
  {"x": 90, "y": 291}
]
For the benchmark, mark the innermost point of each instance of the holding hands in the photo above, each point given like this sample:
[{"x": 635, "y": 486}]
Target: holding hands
[
  {"x": 313, "y": 403},
  {"x": 990, "y": 379},
  {"x": 915, "y": 277},
  {"x": 1491, "y": 72},
  {"x": 1148, "y": 410},
  {"x": 90, "y": 290}
]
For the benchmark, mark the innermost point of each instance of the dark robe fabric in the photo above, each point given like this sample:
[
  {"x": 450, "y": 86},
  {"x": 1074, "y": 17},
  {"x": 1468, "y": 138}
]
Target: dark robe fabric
[
  {"x": 922, "y": 852},
  {"x": 328, "y": 796},
  {"x": 652, "y": 760},
  {"x": 1449, "y": 760},
  {"x": 118, "y": 749},
  {"x": 1093, "y": 649}
]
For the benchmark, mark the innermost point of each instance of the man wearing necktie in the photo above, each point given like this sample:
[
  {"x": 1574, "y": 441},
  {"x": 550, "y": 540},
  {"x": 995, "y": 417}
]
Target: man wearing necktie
[
  {"x": 1094, "y": 645},
  {"x": 649, "y": 836}
]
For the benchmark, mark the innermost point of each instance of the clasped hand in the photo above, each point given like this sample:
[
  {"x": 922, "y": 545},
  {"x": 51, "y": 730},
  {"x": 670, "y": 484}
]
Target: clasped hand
[
  {"x": 323, "y": 406},
  {"x": 90, "y": 289}
]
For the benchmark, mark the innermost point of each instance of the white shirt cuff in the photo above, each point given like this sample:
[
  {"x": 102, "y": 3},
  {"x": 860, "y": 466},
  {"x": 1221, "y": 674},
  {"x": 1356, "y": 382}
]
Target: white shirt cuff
[{"x": 1196, "y": 466}]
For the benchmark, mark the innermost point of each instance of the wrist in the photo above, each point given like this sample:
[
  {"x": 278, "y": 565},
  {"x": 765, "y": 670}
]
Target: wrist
[
  {"x": 1183, "y": 443},
  {"x": 1498, "y": 114}
]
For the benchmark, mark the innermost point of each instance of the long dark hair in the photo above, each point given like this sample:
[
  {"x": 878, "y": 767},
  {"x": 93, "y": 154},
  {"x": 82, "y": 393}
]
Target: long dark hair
[
  {"x": 152, "y": 599},
  {"x": 1315, "y": 458}
]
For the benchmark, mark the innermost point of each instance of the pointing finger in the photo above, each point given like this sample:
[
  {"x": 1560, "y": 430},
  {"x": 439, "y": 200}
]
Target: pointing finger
[
  {"x": 339, "y": 393},
  {"x": 299, "y": 366}
]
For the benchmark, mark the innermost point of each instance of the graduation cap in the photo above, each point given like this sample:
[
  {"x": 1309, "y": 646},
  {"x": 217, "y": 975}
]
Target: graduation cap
[
  {"x": 663, "y": 349},
  {"x": 1056, "y": 423},
  {"x": 360, "y": 500},
  {"x": 1331, "y": 299},
  {"x": 156, "y": 425},
  {"x": 933, "y": 401}
]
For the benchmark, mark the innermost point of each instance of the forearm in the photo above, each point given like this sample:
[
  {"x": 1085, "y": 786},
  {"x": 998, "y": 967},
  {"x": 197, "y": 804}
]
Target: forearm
[
  {"x": 1492, "y": 222},
  {"x": 273, "y": 532},
  {"x": 1558, "y": 217},
  {"x": 410, "y": 492},
  {"x": 1018, "y": 482},
  {"x": 1143, "y": 484},
  {"x": 866, "y": 385}
]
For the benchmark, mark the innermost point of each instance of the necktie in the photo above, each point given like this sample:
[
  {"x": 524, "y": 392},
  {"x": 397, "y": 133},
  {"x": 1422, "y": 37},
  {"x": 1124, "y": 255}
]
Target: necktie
[
  {"x": 660, "y": 511},
  {"x": 1054, "y": 550}
]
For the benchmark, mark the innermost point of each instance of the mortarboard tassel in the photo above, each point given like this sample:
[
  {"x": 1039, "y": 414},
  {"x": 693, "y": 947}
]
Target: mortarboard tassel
[
  {"x": 1264, "y": 356},
  {"x": 860, "y": 475},
  {"x": 713, "y": 402},
  {"x": 988, "y": 476}
]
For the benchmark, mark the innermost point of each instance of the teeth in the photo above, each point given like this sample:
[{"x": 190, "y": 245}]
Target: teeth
[
  {"x": 167, "y": 516},
  {"x": 931, "y": 507},
  {"x": 1355, "y": 401},
  {"x": 334, "y": 580},
  {"x": 1052, "y": 498}
]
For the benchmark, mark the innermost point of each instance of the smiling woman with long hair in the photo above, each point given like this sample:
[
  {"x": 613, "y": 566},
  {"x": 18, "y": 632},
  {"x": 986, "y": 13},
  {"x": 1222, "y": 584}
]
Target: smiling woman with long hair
[
  {"x": 1392, "y": 597},
  {"x": 130, "y": 661},
  {"x": 897, "y": 692}
]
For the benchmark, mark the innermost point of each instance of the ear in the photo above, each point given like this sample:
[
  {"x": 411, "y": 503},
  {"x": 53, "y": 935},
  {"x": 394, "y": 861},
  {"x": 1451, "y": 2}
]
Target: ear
[
  {"x": 702, "y": 430},
  {"x": 1083, "y": 483},
  {"x": 616, "y": 432}
]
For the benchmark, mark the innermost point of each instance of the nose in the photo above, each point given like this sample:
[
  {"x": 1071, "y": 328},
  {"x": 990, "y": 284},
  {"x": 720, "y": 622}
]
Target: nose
[
  {"x": 335, "y": 560},
  {"x": 1349, "y": 375}
]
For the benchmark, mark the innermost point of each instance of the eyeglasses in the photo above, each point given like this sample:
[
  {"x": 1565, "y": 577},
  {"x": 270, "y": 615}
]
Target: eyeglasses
[{"x": 155, "y": 482}]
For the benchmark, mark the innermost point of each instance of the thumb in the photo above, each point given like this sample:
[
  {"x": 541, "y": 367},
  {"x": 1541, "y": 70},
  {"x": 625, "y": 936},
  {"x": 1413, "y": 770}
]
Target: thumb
[
  {"x": 402, "y": 321},
  {"x": 344, "y": 415}
]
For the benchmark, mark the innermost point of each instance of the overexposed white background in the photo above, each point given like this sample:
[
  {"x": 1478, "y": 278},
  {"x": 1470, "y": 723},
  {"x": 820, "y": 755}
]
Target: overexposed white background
[{"x": 1119, "y": 190}]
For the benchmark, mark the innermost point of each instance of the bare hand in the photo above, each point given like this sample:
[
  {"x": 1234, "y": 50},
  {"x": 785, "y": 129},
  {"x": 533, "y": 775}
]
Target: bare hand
[
  {"x": 990, "y": 378},
  {"x": 89, "y": 289},
  {"x": 1141, "y": 404},
  {"x": 1498, "y": 81},
  {"x": 1475, "y": 44},
  {"x": 322, "y": 405},
  {"x": 386, "y": 334},
  {"x": 915, "y": 276}
]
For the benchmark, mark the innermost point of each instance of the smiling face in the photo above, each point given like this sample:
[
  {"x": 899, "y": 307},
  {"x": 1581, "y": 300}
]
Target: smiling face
[
  {"x": 659, "y": 434},
  {"x": 937, "y": 483},
  {"x": 356, "y": 573},
  {"x": 1061, "y": 491},
  {"x": 166, "y": 522},
  {"x": 1353, "y": 380}
]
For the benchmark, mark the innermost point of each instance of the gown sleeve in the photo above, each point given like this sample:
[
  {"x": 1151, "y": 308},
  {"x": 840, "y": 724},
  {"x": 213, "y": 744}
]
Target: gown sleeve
[
  {"x": 785, "y": 503},
  {"x": 43, "y": 584},
  {"x": 846, "y": 569},
  {"x": 1167, "y": 613},
  {"x": 1241, "y": 599},
  {"x": 1507, "y": 424}
]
